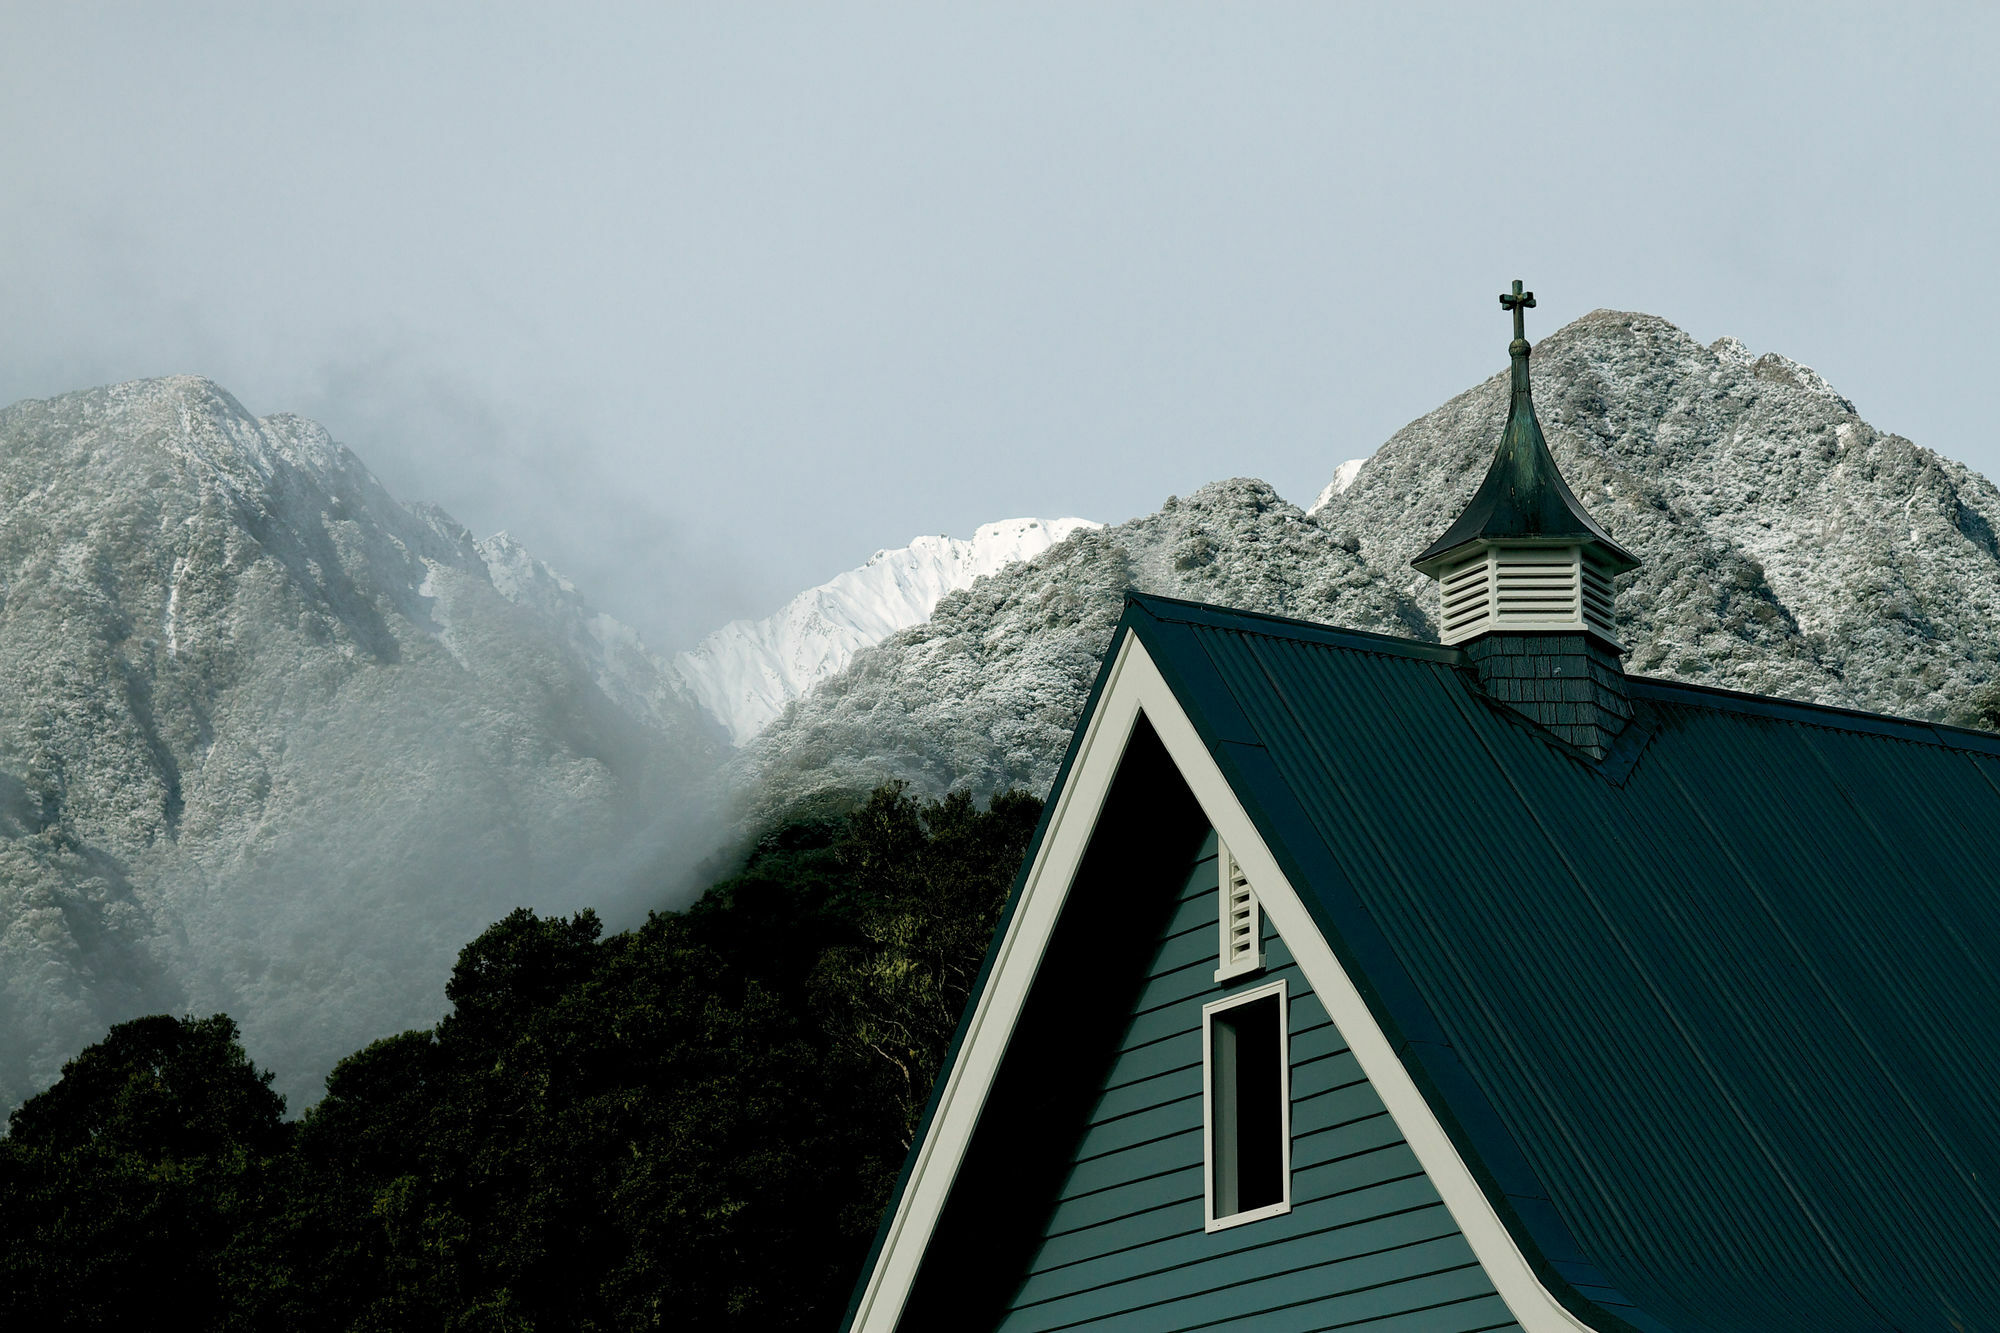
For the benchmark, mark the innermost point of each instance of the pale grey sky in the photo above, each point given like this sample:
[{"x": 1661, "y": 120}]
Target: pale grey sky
[{"x": 707, "y": 302}]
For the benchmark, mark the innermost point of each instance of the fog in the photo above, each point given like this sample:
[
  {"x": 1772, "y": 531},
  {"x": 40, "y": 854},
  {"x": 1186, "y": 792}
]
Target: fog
[{"x": 705, "y": 303}]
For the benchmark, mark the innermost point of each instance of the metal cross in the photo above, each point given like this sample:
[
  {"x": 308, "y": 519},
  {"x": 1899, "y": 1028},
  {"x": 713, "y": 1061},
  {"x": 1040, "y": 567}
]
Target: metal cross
[{"x": 1517, "y": 301}]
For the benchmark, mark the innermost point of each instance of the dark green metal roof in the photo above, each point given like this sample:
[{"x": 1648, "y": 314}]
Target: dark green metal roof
[
  {"x": 1524, "y": 497},
  {"x": 1716, "y": 1021}
]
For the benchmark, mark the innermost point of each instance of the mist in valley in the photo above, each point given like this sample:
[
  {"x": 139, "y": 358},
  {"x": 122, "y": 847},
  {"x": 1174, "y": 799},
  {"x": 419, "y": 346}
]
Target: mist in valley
[{"x": 282, "y": 744}]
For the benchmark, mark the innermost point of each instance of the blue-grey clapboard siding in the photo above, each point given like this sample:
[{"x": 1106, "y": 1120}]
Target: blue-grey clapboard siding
[{"x": 1367, "y": 1240}]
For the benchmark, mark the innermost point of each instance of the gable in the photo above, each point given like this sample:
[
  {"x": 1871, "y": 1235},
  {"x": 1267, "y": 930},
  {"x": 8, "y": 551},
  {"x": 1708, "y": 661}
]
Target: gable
[
  {"x": 971, "y": 1212},
  {"x": 1123, "y": 1245},
  {"x": 1086, "y": 978}
]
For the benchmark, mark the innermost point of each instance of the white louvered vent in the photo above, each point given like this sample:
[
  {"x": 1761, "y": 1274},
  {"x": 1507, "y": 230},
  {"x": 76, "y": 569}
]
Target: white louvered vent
[
  {"x": 1242, "y": 945},
  {"x": 1597, "y": 602},
  {"x": 1536, "y": 587},
  {"x": 1468, "y": 596},
  {"x": 1524, "y": 587}
]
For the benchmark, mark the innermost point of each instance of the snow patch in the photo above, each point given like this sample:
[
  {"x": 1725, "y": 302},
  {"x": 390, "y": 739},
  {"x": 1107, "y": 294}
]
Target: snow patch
[
  {"x": 1343, "y": 477},
  {"x": 1732, "y": 351},
  {"x": 747, "y": 671},
  {"x": 620, "y": 663},
  {"x": 1773, "y": 366},
  {"x": 440, "y": 614},
  {"x": 171, "y": 621},
  {"x": 518, "y": 576}
]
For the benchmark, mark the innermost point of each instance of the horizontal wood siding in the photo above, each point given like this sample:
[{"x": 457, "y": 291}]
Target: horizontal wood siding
[{"x": 1368, "y": 1242}]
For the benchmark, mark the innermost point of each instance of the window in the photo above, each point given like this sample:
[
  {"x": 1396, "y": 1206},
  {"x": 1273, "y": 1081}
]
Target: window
[
  {"x": 1242, "y": 944},
  {"x": 1247, "y": 1107}
]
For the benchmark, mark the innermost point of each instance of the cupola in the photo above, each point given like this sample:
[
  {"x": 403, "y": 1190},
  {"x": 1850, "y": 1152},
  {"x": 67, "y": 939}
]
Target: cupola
[{"x": 1525, "y": 578}]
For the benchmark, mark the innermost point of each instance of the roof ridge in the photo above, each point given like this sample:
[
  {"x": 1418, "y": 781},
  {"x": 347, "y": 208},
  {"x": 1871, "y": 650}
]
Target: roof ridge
[
  {"x": 1834, "y": 716},
  {"x": 1946, "y": 734},
  {"x": 1368, "y": 640}
]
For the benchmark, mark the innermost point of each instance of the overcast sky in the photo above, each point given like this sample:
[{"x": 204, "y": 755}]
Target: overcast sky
[{"x": 707, "y": 302}]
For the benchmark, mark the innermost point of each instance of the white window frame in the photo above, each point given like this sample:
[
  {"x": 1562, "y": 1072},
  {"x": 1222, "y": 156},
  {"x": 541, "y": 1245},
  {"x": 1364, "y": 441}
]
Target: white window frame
[
  {"x": 1210, "y": 1222},
  {"x": 1226, "y": 870}
]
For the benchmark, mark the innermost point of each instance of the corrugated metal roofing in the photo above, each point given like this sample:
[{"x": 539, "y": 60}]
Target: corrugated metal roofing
[{"x": 1718, "y": 1019}]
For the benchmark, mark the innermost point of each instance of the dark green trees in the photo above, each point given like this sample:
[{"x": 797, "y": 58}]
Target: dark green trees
[
  {"x": 129, "y": 1191},
  {"x": 929, "y": 884},
  {"x": 693, "y": 1124}
]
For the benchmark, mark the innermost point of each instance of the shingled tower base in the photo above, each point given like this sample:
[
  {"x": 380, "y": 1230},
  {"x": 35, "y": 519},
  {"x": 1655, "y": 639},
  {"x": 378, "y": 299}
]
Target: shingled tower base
[{"x": 1569, "y": 683}]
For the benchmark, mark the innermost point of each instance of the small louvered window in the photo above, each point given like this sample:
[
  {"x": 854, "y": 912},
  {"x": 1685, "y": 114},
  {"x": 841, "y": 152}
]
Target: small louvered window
[
  {"x": 1242, "y": 945},
  {"x": 1468, "y": 599}
]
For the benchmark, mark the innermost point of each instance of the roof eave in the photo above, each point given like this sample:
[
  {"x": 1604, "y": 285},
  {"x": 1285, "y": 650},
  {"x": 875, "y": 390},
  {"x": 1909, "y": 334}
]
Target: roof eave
[{"x": 1598, "y": 547}]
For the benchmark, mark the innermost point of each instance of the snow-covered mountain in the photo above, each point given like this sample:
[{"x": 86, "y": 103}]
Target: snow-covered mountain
[
  {"x": 1790, "y": 547},
  {"x": 747, "y": 671},
  {"x": 275, "y": 744}
]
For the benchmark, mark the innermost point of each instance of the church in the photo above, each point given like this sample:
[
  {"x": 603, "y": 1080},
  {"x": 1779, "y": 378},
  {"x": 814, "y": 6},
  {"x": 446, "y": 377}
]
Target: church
[{"x": 1360, "y": 983}]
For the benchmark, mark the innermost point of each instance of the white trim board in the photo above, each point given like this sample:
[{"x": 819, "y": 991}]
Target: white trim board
[{"x": 1135, "y": 685}]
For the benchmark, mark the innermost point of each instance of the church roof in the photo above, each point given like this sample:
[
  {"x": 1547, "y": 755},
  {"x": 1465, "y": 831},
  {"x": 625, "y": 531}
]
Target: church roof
[{"x": 1715, "y": 1021}]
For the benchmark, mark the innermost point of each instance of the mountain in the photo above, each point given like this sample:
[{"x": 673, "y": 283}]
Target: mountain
[
  {"x": 276, "y": 744},
  {"x": 1790, "y": 547},
  {"x": 985, "y": 693},
  {"x": 747, "y": 671}
]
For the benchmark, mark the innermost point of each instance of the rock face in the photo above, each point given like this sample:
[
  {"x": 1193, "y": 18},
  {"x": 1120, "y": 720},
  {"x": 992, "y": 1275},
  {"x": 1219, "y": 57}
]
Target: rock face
[
  {"x": 1790, "y": 549},
  {"x": 747, "y": 671},
  {"x": 274, "y": 744}
]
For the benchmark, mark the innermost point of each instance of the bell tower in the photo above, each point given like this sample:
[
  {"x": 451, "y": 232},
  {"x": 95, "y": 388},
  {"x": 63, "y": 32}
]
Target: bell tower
[{"x": 1525, "y": 579}]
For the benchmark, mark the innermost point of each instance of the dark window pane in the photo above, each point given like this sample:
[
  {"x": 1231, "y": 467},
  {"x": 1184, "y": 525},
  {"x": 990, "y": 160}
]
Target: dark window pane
[{"x": 1248, "y": 1107}]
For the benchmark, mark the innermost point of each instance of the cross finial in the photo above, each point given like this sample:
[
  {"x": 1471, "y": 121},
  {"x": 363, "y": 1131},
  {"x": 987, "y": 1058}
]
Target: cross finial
[{"x": 1517, "y": 301}]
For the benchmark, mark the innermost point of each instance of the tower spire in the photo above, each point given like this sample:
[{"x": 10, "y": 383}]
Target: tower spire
[
  {"x": 1524, "y": 497},
  {"x": 1525, "y": 578}
]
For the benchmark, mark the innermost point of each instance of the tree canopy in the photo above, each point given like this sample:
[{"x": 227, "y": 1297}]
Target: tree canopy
[{"x": 693, "y": 1123}]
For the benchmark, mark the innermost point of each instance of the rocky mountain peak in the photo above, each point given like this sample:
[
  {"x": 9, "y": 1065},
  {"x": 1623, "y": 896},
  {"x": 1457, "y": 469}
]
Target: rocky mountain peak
[
  {"x": 1792, "y": 548},
  {"x": 279, "y": 744}
]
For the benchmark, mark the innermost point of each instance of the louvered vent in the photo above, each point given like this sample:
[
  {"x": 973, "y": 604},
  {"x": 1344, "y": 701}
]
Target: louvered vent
[
  {"x": 1524, "y": 587},
  {"x": 1242, "y": 932},
  {"x": 1597, "y": 612},
  {"x": 1535, "y": 588},
  {"x": 1468, "y": 596}
]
